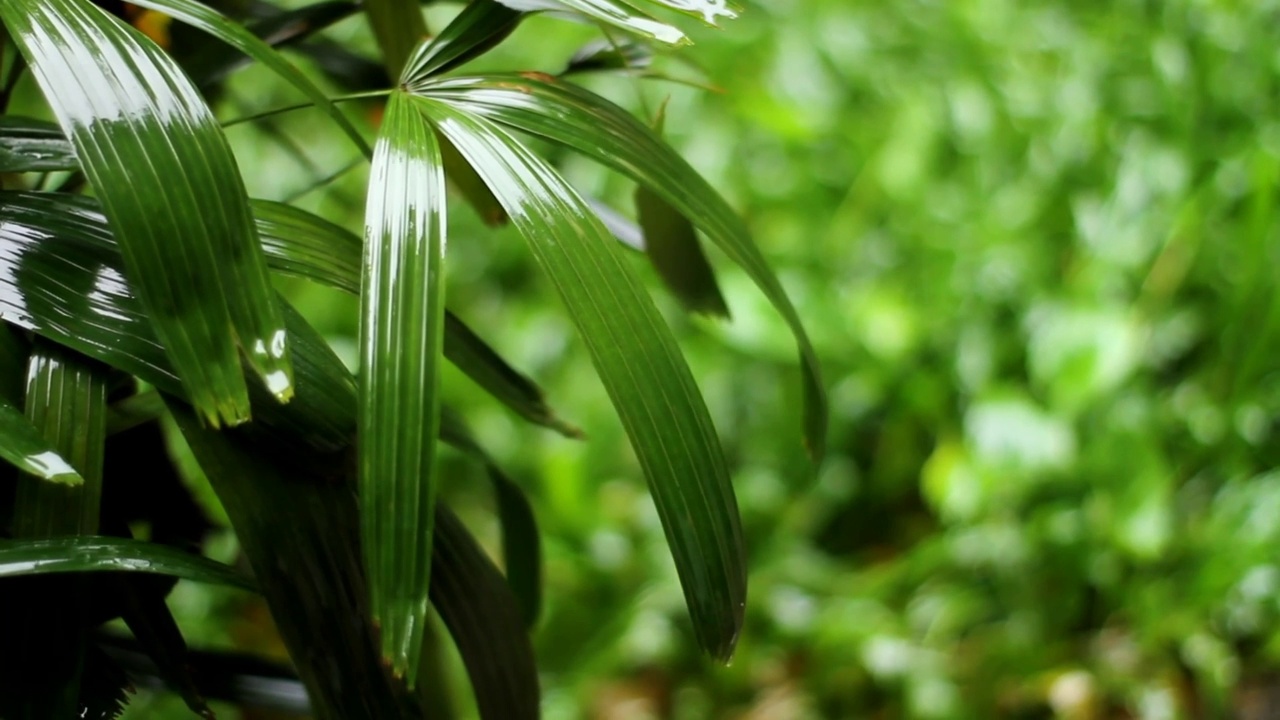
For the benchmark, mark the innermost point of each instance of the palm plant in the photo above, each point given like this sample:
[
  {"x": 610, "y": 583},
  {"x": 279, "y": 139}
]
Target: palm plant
[{"x": 137, "y": 288}]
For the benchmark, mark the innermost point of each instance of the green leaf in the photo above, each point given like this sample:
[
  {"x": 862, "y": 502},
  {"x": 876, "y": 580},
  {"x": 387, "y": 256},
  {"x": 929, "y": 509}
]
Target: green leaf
[
  {"x": 544, "y": 106},
  {"x": 62, "y": 279},
  {"x": 521, "y": 544},
  {"x": 107, "y": 554},
  {"x": 299, "y": 531},
  {"x": 606, "y": 54},
  {"x": 398, "y": 28},
  {"x": 219, "y": 59},
  {"x": 401, "y": 324},
  {"x": 163, "y": 172},
  {"x": 671, "y": 243},
  {"x": 28, "y": 145},
  {"x": 480, "y": 26},
  {"x": 611, "y": 12},
  {"x": 207, "y": 19},
  {"x": 67, "y": 402},
  {"x": 23, "y": 446},
  {"x": 152, "y": 623},
  {"x": 637, "y": 358},
  {"x": 302, "y": 244},
  {"x": 486, "y": 624},
  {"x": 246, "y": 680}
]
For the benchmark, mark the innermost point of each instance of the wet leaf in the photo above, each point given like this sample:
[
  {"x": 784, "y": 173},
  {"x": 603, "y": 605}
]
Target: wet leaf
[
  {"x": 20, "y": 558},
  {"x": 480, "y": 26},
  {"x": 162, "y": 169},
  {"x": 401, "y": 335},
  {"x": 302, "y": 244},
  {"x": 637, "y": 358},
  {"x": 205, "y": 18},
  {"x": 28, "y": 145},
  {"x": 66, "y": 401},
  {"x": 544, "y": 106}
]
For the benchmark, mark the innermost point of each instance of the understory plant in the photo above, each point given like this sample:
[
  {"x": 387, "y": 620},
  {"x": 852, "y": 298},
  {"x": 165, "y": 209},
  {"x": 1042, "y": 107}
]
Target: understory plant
[{"x": 136, "y": 293}]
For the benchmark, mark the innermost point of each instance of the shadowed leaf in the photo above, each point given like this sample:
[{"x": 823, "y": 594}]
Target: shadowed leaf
[
  {"x": 485, "y": 621},
  {"x": 107, "y": 554}
]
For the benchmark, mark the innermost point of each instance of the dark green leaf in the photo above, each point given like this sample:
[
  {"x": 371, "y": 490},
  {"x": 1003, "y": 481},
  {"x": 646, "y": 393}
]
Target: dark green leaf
[
  {"x": 61, "y": 278},
  {"x": 163, "y": 171},
  {"x": 23, "y": 446},
  {"x": 605, "y": 54},
  {"x": 480, "y": 26},
  {"x": 401, "y": 334},
  {"x": 486, "y": 624},
  {"x": 671, "y": 243},
  {"x": 348, "y": 70},
  {"x": 28, "y": 145},
  {"x": 67, "y": 402},
  {"x": 245, "y": 680},
  {"x": 302, "y": 244},
  {"x": 219, "y": 59},
  {"x": 107, "y": 554},
  {"x": 299, "y": 532},
  {"x": 637, "y": 358},
  {"x": 152, "y": 623},
  {"x": 232, "y": 33},
  {"x": 398, "y": 28},
  {"x": 521, "y": 544},
  {"x": 542, "y": 105}
]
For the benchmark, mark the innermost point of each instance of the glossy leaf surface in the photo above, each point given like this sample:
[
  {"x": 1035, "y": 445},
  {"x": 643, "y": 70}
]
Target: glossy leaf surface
[
  {"x": 544, "y": 106},
  {"x": 61, "y": 277},
  {"x": 66, "y": 401},
  {"x": 108, "y": 554},
  {"x": 486, "y": 624},
  {"x": 163, "y": 172},
  {"x": 480, "y": 26},
  {"x": 302, "y": 244},
  {"x": 23, "y": 446},
  {"x": 29, "y": 145},
  {"x": 401, "y": 332},
  {"x": 624, "y": 14},
  {"x": 203, "y": 17},
  {"x": 641, "y": 367}
]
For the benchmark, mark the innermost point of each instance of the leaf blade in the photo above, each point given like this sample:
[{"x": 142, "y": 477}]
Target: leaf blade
[
  {"x": 401, "y": 333},
  {"x": 163, "y": 170},
  {"x": 86, "y": 553},
  {"x": 636, "y": 357},
  {"x": 569, "y": 115},
  {"x": 203, "y": 17},
  {"x": 484, "y": 619},
  {"x": 301, "y": 244}
]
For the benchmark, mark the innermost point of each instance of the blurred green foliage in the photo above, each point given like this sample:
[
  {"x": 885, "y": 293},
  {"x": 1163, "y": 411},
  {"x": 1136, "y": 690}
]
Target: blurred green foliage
[{"x": 1031, "y": 241}]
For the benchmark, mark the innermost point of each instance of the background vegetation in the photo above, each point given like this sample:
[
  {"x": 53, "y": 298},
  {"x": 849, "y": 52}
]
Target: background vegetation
[{"x": 1033, "y": 242}]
